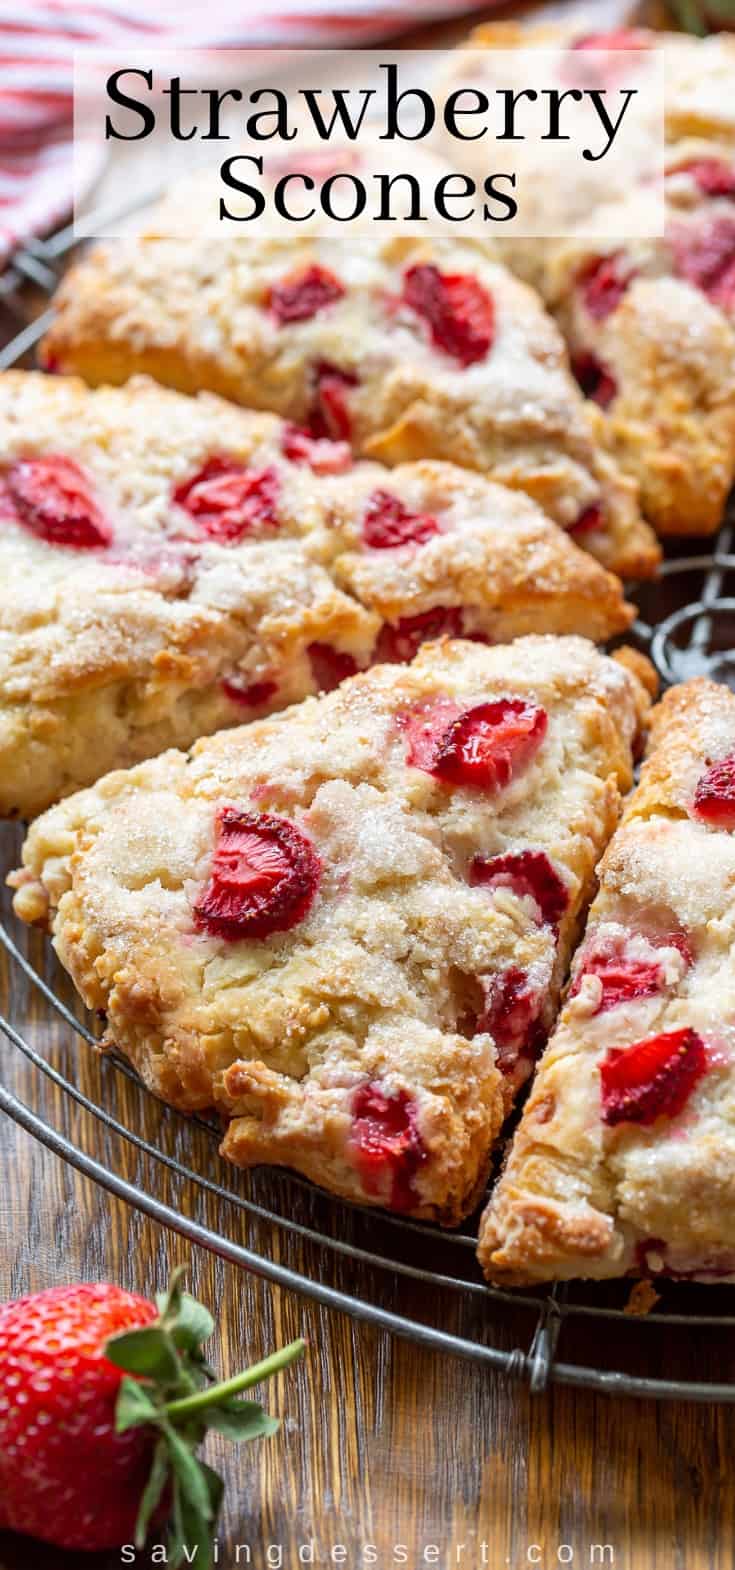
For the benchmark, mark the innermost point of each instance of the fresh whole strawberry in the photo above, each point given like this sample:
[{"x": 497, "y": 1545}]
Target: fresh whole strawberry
[{"x": 104, "y": 1400}]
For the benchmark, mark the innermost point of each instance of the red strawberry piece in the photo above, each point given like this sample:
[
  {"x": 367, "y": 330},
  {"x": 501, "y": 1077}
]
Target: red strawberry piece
[
  {"x": 623, "y": 980},
  {"x": 387, "y": 1147},
  {"x": 66, "y": 1476},
  {"x": 229, "y": 501},
  {"x": 251, "y": 695},
  {"x": 530, "y": 875},
  {"x": 714, "y": 176},
  {"x": 52, "y": 498},
  {"x": 714, "y": 797},
  {"x": 488, "y": 746},
  {"x": 330, "y": 666},
  {"x": 511, "y": 1017},
  {"x": 595, "y": 381},
  {"x": 616, "y": 38},
  {"x": 424, "y": 726},
  {"x": 330, "y": 411},
  {"x": 457, "y": 309},
  {"x": 388, "y": 523},
  {"x": 603, "y": 281},
  {"x": 590, "y": 519},
  {"x": 651, "y": 1079},
  {"x": 322, "y": 455},
  {"x": 263, "y": 879},
  {"x": 705, "y": 257},
  {"x": 399, "y": 641},
  {"x": 300, "y": 296}
]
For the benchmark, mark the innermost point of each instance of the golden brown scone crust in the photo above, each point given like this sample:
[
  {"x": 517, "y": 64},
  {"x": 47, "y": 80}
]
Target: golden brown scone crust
[
  {"x": 109, "y": 655},
  {"x": 582, "y": 1197},
  {"x": 376, "y": 984},
  {"x": 193, "y": 315}
]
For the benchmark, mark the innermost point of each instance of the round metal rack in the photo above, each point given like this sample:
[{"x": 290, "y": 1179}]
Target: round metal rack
[{"x": 409, "y": 1278}]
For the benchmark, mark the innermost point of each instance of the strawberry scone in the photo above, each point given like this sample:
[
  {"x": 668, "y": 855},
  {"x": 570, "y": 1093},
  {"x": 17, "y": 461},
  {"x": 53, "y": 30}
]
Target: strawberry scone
[
  {"x": 406, "y": 349},
  {"x": 345, "y": 927},
  {"x": 175, "y": 565},
  {"x": 624, "y": 1160}
]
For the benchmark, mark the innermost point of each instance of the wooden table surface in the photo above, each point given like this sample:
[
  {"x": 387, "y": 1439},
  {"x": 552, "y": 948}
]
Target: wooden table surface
[{"x": 431, "y": 1459}]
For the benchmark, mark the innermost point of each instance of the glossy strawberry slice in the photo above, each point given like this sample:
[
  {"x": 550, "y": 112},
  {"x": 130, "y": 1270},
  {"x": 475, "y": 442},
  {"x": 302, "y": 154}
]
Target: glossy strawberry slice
[
  {"x": 322, "y": 455},
  {"x": 623, "y": 980},
  {"x": 603, "y": 281},
  {"x": 52, "y": 498},
  {"x": 250, "y": 695},
  {"x": 457, "y": 309},
  {"x": 706, "y": 258},
  {"x": 511, "y": 1017},
  {"x": 399, "y": 641},
  {"x": 490, "y": 745},
  {"x": 387, "y": 1147},
  {"x": 424, "y": 726},
  {"x": 651, "y": 1079},
  {"x": 263, "y": 879},
  {"x": 229, "y": 501},
  {"x": 530, "y": 875},
  {"x": 330, "y": 411},
  {"x": 714, "y": 176},
  {"x": 594, "y": 380},
  {"x": 303, "y": 294},
  {"x": 714, "y": 798},
  {"x": 330, "y": 666},
  {"x": 388, "y": 523}
]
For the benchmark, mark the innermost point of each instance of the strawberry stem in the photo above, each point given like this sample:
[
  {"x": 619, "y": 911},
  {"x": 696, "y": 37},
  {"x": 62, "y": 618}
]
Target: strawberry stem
[{"x": 187, "y": 1406}]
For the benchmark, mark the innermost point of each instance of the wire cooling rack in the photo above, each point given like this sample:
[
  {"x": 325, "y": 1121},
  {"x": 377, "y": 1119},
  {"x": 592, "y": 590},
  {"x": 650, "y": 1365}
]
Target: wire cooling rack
[{"x": 409, "y": 1278}]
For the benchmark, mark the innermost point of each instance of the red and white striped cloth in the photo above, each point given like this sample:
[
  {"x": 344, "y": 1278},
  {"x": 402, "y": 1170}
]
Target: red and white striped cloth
[{"x": 38, "y": 38}]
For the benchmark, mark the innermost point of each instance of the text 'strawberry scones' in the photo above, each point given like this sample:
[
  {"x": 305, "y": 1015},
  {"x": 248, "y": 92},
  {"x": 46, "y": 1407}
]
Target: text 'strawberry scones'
[
  {"x": 175, "y": 565},
  {"x": 410, "y": 350},
  {"x": 345, "y": 927},
  {"x": 624, "y": 1160}
]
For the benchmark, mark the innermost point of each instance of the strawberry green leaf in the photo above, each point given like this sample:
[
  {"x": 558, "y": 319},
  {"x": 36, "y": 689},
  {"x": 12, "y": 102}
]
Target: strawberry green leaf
[
  {"x": 241, "y": 1420},
  {"x": 192, "y": 1325},
  {"x": 153, "y": 1492},
  {"x": 134, "y": 1406},
  {"x": 148, "y": 1352},
  {"x": 188, "y": 1473}
]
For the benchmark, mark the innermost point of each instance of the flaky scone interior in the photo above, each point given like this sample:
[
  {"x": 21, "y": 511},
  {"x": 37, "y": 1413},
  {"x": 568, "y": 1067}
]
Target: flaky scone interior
[
  {"x": 624, "y": 1160},
  {"x": 346, "y": 927}
]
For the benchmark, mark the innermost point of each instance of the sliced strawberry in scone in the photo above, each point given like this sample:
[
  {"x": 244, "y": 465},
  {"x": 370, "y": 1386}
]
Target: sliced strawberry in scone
[
  {"x": 299, "y": 297},
  {"x": 627, "y": 1139},
  {"x": 651, "y": 1079},
  {"x": 230, "y": 502},
  {"x": 705, "y": 257},
  {"x": 491, "y": 744},
  {"x": 713, "y": 176},
  {"x": 330, "y": 666},
  {"x": 513, "y": 1006},
  {"x": 249, "y": 694},
  {"x": 457, "y": 309},
  {"x": 399, "y": 641},
  {"x": 52, "y": 498},
  {"x": 616, "y": 38},
  {"x": 527, "y": 873},
  {"x": 596, "y": 383},
  {"x": 388, "y": 523},
  {"x": 387, "y": 1147},
  {"x": 322, "y": 455},
  {"x": 330, "y": 409},
  {"x": 263, "y": 879},
  {"x": 603, "y": 281},
  {"x": 714, "y": 798}
]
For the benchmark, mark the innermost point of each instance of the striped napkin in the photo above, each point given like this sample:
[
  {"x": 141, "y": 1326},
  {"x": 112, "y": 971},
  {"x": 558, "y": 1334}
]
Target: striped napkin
[{"x": 38, "y": 38}]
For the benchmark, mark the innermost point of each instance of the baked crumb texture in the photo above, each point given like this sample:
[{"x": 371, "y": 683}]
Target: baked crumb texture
[
  {"x": 649, "y": 322},
  {"x": 345, "y": 927},
  {"x": 174, "y": 565},
  {"x": 404, "y": 348},
  {"x": 624, "y": 1160}
]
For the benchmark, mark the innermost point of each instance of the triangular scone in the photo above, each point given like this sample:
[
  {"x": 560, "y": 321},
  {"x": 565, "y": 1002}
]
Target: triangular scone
[
  {"x": 174, "y": 565},
  {"x": 407, "y": 348},
  {"x": 346, "y": 926},
  {"x": 624, "y": 1160}
]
